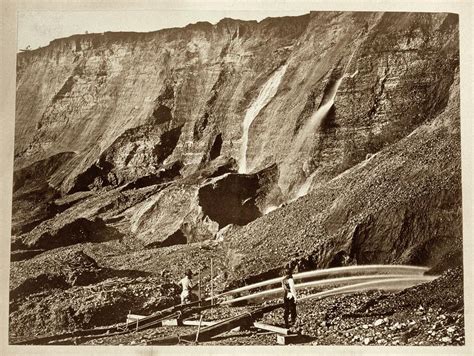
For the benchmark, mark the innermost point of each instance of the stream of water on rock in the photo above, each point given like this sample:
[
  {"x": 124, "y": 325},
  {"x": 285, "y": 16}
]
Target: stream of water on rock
[
  {"x": 266, "y": 94},
  {"x": 303, "y": 135},
  {"x": 308, "y": 129},
  {"x": 315, "y": 121}
]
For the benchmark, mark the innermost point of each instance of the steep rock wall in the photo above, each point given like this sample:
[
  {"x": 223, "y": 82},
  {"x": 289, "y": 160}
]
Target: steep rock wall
[
  {"x": 402, "y": 205},
  {"x": 150, "y": 117},
  {"x": 113, "y": 82},
  {"x": 381, "y": 69}
]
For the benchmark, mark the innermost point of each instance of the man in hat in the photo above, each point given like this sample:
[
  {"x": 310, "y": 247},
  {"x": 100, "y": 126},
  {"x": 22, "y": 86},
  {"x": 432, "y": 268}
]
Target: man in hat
[
  {"x": 289, "y": 297},
  {"x": 186, "y": 286}
]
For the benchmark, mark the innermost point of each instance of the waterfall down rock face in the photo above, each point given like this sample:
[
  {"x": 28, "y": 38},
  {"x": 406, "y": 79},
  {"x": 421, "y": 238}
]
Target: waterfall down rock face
[
  {"x": 308, "y": 138},
  {"x": 266, "y": 94}
]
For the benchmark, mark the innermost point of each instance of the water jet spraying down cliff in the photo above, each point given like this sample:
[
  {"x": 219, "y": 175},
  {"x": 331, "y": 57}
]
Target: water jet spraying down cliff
[
  {"x": 266, "y": 94},
  {"x": 318, "y": 116},
  {"x": 315, "y": 121},
  {"x": 308, "y": 130}
]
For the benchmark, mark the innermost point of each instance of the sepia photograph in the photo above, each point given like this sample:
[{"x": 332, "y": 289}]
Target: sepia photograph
[{"x": 278, "y": 176}]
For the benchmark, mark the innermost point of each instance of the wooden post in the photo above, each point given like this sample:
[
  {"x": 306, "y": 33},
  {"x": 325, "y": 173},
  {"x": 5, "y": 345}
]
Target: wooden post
[
  {"x": 212, "y": 284},
  {"x": 199, "y": 328},
  {"x": 199, "y": 287}
]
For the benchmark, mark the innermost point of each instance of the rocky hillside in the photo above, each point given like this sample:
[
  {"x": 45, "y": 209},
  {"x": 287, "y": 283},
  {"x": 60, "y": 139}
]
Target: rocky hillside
[{"x": 326, "y": 139}]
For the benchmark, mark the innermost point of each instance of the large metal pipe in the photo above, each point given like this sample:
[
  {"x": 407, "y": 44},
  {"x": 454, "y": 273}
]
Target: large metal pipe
[
  {"x": 318, "y": 283},
  {"x": 393, "y": 269},
  {"x": 385, "y": 284}
]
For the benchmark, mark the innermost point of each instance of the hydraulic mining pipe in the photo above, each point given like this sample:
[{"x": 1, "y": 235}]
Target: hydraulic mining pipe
[
  {"x": 384, "y": 284},
  {"x": 393, "y": 269},
  {"x": 318, "y": 283}
]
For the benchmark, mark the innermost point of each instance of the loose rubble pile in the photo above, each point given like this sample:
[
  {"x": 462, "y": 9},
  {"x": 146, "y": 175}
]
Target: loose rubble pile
[
  {"x": 83, "y": 297},
  {"x": 428, "y": 314}
]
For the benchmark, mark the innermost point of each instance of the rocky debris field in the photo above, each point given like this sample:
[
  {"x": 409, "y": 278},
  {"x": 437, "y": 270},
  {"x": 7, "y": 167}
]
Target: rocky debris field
[
  {"x": 84, "y": 307},
  {"x": 428, "y": 314},
  {"x": 93, "y": 285}
]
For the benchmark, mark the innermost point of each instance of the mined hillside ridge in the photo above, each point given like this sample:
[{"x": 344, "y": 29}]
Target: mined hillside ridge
[
  {"x": 402, "y": 205},
  {"x": 326, "y": 139}
]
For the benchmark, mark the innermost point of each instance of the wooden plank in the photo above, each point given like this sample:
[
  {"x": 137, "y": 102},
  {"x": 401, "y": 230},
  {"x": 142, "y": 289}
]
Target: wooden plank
[
  {"x": 288, "y": 339},
  {"x": 134, "y": 317},
  {"x": 266, "y": 333},
  {"x": 171, "y": 322},
  {"x": 206, "y": 323},
  {"x": 196, "y": 322},
  {"x": 273, "y": 328}
]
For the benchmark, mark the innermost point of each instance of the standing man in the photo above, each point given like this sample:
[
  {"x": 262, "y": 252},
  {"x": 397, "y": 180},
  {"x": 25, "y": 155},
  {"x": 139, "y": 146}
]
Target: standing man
[
  {"x": 186, "y": 286},
  {"x": 289, "y": 298}
]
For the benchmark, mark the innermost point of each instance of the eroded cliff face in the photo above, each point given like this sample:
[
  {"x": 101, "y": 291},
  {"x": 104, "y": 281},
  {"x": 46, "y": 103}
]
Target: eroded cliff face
[
  {"x": 401, "y": 205},
  {"x": 133, "y": 87},
  {"x": 323, "y": 138}
]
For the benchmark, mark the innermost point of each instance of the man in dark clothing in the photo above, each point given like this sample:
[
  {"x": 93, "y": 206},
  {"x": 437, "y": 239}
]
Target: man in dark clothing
[{"x": 289, "y": 298}]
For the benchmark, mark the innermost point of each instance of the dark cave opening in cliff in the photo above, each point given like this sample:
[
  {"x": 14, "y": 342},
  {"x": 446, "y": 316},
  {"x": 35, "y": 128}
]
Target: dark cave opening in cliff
[
  {"x": 231, "y": 200},
  {"x": 216, "y": 148},
  {"x": 162, "y": 114},
  {"x": 176, "y": 238}
]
